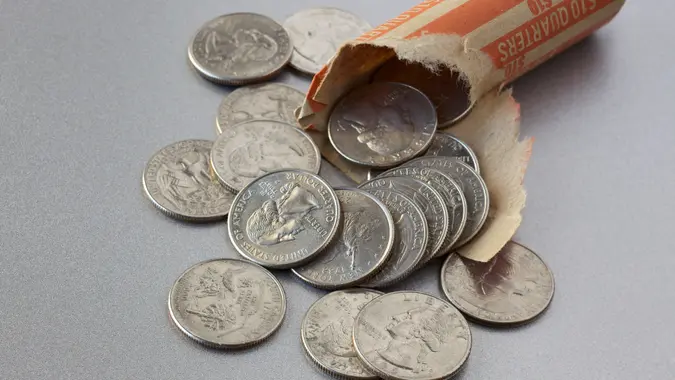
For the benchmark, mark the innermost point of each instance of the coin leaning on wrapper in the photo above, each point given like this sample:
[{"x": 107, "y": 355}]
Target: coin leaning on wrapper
[{"x": 424, "y": 198}]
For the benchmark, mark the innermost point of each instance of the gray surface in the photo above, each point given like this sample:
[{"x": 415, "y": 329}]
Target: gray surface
[{"x": 90, "y": 89}]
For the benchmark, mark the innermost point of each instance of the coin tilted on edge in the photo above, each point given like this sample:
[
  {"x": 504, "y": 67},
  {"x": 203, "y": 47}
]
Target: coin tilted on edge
[
  {"x": 430, "y": 201},
  {"x": 179, "y": 181},
  {"x": 382, "y": 124},
  {"x": 318, "y": 33},
  {"x": 452, "y": 196},
  {"x": 474, "y": 188},
  {"x": 412, "y": 335},
  {"x": 284, "y": 219},
  {"x": 445, "y": 89},
  {"x": 362, "y": 245},
  {"x": 240, "y": 48},
  {"x": 227, "y": 303},
  {"x": 248, "y": 150},
  {"x": 410, "y": 240},
  {"x": 445, "y": 144},
  {"x": 270, "y": 101},
  {"x": 514, "y": 287},
  {"x": 327, "y": 332}
]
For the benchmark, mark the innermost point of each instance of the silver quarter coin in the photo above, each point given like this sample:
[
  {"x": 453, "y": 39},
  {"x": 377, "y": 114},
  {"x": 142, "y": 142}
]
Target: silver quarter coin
[
  {"x": 248, "y": 150},
  {"x": 382, "y": 124},
  {"x": 318, "y": 33},
  {"x": 361, "y": 247},
  {"x": 284, "y": 219},
  {"x": 431, "y": 203},
  {"x": 178, "y": 180},
  {"x": 410, "y": 240},
  {"x": 327, "y": 333},
  {"x": 240, "y": 48},
  {"x": 447, "y": 92},
  {"x": 450, "y": 192},
  {"x": 412, "y": 336},
  {"x": 474, "y": 188},
  {"x": 227, "y": 303},
  {"x": 514, "y": 287},
  {"x": 445, "y": 144},
  {"x": 270, "y": 101}
]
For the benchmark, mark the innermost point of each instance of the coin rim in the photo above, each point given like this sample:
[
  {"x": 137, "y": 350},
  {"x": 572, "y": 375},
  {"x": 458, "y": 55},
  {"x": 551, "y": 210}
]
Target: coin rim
[
  {"x": 421, "y": 150},
  {"x": 393, "y": 280},
  {"x": 387, "y": 376},
  {"x": 287, "y": 265},
  {"x": 449, "y": 241},
  {"x": 301, "y": 69},
  {"x": 230, "y": 80},
  {"x": 310, "y": 355},
  {"x": 466, "y": 146},
  {"x": 233, "y": 188},
  {"x": 222, "y": 346},
  {"x": 372, "y": 271},
  {"x": 488, "y": 322},
  {"x": 460, "y": 243},
  {"x": 219, "y": 128},
  {"x": 433, "y": 250},
  {"x": 174, "y": 214}
]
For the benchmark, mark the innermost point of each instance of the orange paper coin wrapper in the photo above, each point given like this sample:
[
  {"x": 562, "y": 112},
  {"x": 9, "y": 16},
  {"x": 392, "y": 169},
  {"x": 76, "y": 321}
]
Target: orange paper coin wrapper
[{"x": 489, "y": 43}]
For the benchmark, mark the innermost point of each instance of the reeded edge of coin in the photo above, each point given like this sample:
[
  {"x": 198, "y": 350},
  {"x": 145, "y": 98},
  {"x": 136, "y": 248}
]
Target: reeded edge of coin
[
  {"x": 422, "y": 149},
  {"x": 482, "y": 183},
  {"x": 230, "y": 80},
  {"x": 403, "y": 275},
  {"x": 175, "y": 215},
  {"x": 492, "y": 323},
  {"x": 435, "y": 249},
  {"x": 376, "y": 268},
  {"x": 234, "y": 188},
  {"x": 466, "y": 147},
  {"x": 219, "y": 128},
  {"x": 459, "y": 117},
  {"x": 445, "y": 245},
  {"x": 386, "y": 376},
  {"x": 314, "y": 360},
  {"x": 228, "y": 346},
  {"x": 328, "y": 240}
]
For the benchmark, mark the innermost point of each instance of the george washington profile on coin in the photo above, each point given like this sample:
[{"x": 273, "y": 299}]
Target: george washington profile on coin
[
  {"x": 382, "y": 124},
  {"x": 280, "y": 220}
]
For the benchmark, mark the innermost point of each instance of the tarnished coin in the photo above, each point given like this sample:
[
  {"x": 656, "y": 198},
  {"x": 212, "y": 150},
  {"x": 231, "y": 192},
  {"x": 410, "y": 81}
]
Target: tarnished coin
[
  {"x": 248, "y": 150},
  {"x": 318, "y": 33},
  {"x": 430, "y": 202},
  {"x": 514, "y": 287},
  {"x": 179, "y": 181},
  {"x": 474, "y": 189},
  {"x": 448, "y": 93},
  {"x": 450, "y": 192},
  {"x": 382, "y": 124},
  {"x": 362, "y": 245},
  {"x": 327, "y": 332},
  {"x": 227, "y": 303},
  {"x": 270, "y": 101},
  {"x": 445, "y": 144},
  {"x": 412, "y": 336},
  {"x": 240, "y": 48},
  {"x": 284, "y": 219},
  {"x": 410, "y": 240}
]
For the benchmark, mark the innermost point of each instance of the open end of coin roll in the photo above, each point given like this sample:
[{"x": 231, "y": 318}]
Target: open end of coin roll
[{"x": 444, "y": 87}]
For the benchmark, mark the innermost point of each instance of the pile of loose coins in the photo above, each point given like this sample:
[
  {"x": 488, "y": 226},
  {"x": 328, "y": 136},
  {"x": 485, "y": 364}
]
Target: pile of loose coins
[{"x": 424, "y": 199}]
